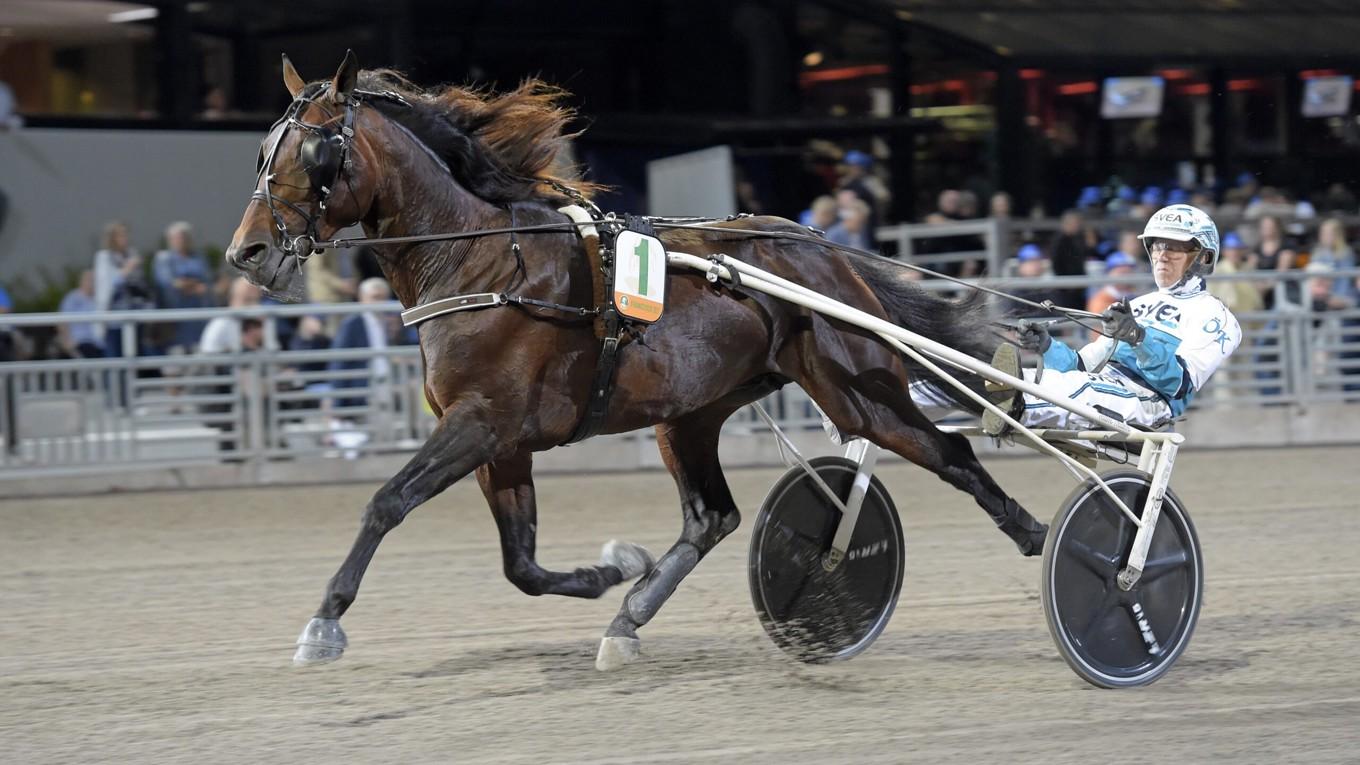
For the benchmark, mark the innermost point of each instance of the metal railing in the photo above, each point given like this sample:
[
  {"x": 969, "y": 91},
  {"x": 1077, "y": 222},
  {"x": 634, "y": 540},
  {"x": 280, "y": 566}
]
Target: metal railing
[
  {"x": 104, "y": 415},
  {"x": 993, "y": 241}
]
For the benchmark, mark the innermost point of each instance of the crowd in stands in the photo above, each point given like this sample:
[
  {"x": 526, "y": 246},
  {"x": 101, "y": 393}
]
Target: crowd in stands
[
  {"x": 1263, "y": 229},
  {"x": 180, "y": 276}
]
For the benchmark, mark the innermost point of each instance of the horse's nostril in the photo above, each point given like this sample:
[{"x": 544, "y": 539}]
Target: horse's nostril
[{"x": 248, "y": 253}]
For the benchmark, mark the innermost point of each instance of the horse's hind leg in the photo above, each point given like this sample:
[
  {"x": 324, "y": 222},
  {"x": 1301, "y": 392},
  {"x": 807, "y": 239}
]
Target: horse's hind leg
[
  {"x": 877, "y": 406},
  {"x": 509, "y": 488},
  {"x": 689, "y": 447},
  {"x": 458, "y": 444}
]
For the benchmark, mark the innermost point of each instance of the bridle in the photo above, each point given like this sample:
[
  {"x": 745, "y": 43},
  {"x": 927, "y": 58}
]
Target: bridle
[{"x": 324, "y": 156}]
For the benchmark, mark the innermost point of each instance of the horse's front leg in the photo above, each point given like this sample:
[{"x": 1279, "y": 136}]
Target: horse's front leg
[
  {"x": 462, "y": 441},
  {"x": 509, "y": 488}
]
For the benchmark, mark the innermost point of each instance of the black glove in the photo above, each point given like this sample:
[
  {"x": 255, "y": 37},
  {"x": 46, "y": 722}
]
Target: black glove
[
  {"x": 1033, "y": 335},
  {"x": 1119, "y": 324}
]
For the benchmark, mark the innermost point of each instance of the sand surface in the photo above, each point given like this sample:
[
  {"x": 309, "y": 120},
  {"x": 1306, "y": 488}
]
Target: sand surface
[{"x": 159, "y": 627}]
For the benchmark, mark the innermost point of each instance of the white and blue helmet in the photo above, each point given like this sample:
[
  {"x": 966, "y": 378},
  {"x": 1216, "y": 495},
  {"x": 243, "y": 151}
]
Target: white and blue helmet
[{"x": 1186, "y": 223}]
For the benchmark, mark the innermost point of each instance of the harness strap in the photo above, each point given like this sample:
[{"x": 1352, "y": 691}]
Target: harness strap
[
  {"x": 602, "y": 384},
  {"x": 413, "y": 316}
]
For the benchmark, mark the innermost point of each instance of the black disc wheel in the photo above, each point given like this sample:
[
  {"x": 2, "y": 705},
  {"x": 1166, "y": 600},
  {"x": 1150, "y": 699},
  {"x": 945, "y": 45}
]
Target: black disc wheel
[
  {"x": 1111, "y": 637},
  {"x": 811, "y": 613}
]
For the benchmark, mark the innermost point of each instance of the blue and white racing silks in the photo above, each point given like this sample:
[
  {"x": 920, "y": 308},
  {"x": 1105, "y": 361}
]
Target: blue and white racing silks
[{"x": 1188, "y": 335}]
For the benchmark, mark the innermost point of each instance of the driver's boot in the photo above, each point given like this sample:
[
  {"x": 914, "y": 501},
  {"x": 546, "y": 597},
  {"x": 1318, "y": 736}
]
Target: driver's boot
[{"x": 1008, "y": 399}]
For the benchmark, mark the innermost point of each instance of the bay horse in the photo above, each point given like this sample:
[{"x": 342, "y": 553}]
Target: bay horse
[{"x": 368, "y": 147}]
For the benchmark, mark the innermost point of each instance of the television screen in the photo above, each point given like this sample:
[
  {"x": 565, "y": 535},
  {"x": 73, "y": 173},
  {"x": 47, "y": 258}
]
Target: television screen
[
  {"x": 1327, "y": 96},
  {"x": 1129, "y": 97}
]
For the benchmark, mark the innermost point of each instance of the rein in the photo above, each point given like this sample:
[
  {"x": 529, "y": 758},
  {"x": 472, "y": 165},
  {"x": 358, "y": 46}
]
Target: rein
[{"x": 1074, "y": 315}]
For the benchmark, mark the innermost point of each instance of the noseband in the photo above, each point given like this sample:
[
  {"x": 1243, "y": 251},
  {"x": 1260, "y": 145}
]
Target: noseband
[{"x": 324, "y": 156}]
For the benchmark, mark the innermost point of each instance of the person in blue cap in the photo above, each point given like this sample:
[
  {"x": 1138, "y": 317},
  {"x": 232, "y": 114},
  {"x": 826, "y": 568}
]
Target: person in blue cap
[
  {"x": 1031, "y": 263},
  {"x": 855, "y": 177},
  {"x": 1118, "y": 267}
]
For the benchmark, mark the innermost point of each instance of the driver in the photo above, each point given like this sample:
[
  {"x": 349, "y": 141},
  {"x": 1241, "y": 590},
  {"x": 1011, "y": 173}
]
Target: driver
[{"x": 1162, "y": 347}]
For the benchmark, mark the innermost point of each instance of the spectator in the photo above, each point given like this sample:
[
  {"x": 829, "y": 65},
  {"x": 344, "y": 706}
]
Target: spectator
[
  {"x": 328, "y": 281},
  {"x": 1148, "y": 203},
  {"x": 1272, "y": 254},
  {"x": 1031, "y": 264},
  {"x": 244, "y": 335},
  {"x": 1069, "y": 253},
  {"x": 999, "y": 206},
  {"x": 6, "y": 334},
  {"x": 1338, "y": 198},
  {"x": 1242, "y": 298},
  {"x": 999, "y": 209},
  {"x": 1124, "y": 198},
  {"x": 119, "y": 282},
  {"x": 224, "y": 334},
  {"x": 853, "y": 228},
  {"x": 822, "y": 214},
  {"x": 369, "y": 329},
  {"x": 856, "y": 176},
  {"x": 1270, "y": 202},
  {"x": 310, "y": 336},
  {"x": 1319, "y": 290},
  {"x": 1118, "y": 268},
  {"x": 949, "y": 207},
  {"x": 1331, "y": 250},
  {"x": 1329, "y": 331},
  {"x": 1091, "y": 202},
  {"x": 1131, "y": 246},
  {"x": 183, "y": 279},
  {"x": 1203, "y": 200},
  {"x": 84, "y": 339},
  {"x": 1239, "y": 296},
  {"x": 215, "y": 104}
]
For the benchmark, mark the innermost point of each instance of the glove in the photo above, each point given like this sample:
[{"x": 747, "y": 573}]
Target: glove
[
  {"x": 1033, "y": 335},
  {"x": 1119, "y": 324}
]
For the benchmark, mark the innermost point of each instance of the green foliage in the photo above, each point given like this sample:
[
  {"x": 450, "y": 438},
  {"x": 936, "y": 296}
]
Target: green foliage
[{"x": 41, "y": 292}]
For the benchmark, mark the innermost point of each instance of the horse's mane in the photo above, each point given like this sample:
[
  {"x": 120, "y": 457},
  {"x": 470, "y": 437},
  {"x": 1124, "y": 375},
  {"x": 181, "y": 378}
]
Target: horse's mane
[{"x": 502, "y": 147}]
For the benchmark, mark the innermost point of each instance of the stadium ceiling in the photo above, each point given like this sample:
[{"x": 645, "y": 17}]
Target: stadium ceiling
[{"x": 1145, "y": 29}]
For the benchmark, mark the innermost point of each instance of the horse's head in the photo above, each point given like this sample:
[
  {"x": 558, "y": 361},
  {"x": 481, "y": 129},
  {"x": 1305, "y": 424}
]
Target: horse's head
[{"x": 314, "y": 179}]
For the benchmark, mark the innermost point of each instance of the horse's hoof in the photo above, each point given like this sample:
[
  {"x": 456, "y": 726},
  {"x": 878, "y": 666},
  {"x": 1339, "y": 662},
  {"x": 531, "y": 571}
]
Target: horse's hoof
[
  {"x": 616, "y": 652},
  {"x": 321, "y": 642},
  {"x": 630, "y": 559}
]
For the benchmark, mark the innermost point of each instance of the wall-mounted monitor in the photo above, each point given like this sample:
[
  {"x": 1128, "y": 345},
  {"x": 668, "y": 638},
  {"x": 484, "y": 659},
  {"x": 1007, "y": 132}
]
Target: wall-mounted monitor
[
  {"x": 1327, "y": 96},
  {"x": 1131, "y": 97}
]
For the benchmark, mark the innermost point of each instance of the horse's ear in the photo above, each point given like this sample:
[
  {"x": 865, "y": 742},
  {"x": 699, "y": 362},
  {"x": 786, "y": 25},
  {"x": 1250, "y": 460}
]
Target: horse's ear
[
  {"x": 347, "y": 75},
  {"x": 291, "y": 79}
]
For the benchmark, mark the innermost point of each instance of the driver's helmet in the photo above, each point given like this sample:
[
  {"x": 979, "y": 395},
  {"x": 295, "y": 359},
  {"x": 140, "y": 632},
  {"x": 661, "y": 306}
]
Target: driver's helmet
[{"x": 1186, "y": 223}]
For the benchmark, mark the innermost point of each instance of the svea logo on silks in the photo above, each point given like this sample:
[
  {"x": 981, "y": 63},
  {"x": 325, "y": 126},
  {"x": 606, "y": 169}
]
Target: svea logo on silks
[{"x": 639, "y": 276}]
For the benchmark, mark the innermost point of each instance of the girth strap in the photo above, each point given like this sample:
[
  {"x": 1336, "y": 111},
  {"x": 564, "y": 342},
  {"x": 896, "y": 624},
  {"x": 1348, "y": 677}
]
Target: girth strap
[{"x": 602, "y": 384}]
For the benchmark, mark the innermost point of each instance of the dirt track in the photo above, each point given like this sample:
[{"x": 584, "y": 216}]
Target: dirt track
[{"x": 159, "y": 628}]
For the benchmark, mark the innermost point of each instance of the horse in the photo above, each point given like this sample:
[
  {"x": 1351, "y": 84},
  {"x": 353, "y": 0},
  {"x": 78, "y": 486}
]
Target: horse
[{"x": 368, "y": 147}]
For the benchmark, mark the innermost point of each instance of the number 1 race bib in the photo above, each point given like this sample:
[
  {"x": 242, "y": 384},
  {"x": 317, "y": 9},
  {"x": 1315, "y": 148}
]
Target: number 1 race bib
[{"x": 639, "y": 276}]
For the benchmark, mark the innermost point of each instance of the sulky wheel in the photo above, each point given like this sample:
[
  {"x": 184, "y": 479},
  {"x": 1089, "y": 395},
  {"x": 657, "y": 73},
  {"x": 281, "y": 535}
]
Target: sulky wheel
[
  {"x": 1113, "y": 638},
  {"x": 812, "y": 614}
]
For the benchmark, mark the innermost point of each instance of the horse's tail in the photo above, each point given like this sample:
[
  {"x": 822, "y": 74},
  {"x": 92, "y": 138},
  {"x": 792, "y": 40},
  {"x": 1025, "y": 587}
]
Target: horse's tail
[{"x": 962, "y": 323}]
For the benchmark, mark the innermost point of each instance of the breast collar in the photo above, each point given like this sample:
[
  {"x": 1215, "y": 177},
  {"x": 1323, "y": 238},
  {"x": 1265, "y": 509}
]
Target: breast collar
[{"x": 585, "y": 229}]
